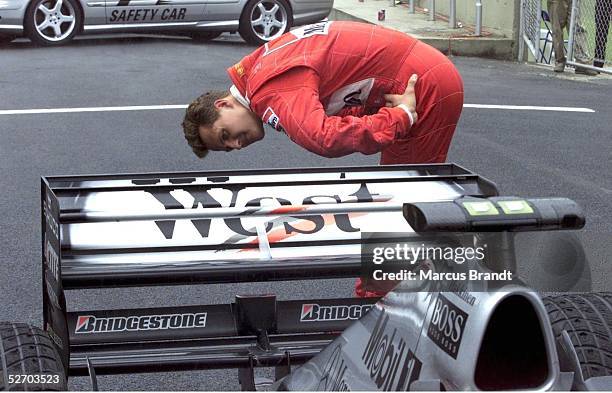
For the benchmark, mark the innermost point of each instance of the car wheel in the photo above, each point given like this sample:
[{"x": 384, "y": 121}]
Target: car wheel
[
  {"x": 52, "y": 22},
  {"x": 28, "y": 360},
  {"x": 205, "y": 36},
  {"x": 582, "y": 324},
  {"x": 265, "y": 20}
]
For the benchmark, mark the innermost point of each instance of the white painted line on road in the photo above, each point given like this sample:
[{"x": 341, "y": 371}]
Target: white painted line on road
[
  {"x": 531, "y": 108},
  {"x": 91, "y": 109},
  {"x": 162, "y": 107}
]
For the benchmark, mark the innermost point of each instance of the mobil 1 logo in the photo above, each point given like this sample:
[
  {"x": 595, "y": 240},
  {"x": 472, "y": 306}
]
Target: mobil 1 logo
[
  {"x": 390, "y": 362},
  {"x": 447, "y": 325}
]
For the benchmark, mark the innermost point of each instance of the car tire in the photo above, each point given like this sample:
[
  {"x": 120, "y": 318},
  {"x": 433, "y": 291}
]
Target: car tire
[
  {"x": 582, "y": 324},
  {"x": 264, "y": 20},
  {"x": 27, "y": 355},
  {"x": 52, "y": 22},
  {"x": 205, "y": 36}
]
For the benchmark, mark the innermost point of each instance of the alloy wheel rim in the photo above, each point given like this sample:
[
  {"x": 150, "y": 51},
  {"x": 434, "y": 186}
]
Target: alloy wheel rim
[
  {"x": 268, "y": 19},
  {"x": 54, "y": 20}
]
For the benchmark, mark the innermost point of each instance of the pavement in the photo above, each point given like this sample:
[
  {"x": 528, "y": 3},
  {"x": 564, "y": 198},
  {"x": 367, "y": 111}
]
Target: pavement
[
  {"x": 528, "y": 152},
  {"x": 458, "y": 42}
]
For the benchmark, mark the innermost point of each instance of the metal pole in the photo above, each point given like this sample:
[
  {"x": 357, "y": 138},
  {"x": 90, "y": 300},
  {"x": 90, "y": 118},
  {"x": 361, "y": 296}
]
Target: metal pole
[
  {"x": 536, "y": 33},
  {"x": 570, "y": 40},
  {"x": 590, "y": 67},
  {"x": 521, "y": 48},
  {"x": 478, "y": 31},
  {"x": 232, "y": 212},
  {"x": 411, "y": 7},
  {"x": 452, "y": 17},
  {"x": 432, "y": 10}
]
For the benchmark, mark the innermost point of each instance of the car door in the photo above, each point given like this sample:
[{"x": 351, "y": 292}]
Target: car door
[
  {"x": 155, "y": 12},
  {"x": 94, "y": 12}
]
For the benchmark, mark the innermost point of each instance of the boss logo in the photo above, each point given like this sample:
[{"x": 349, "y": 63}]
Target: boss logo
[{"x": 447, "y": 326}]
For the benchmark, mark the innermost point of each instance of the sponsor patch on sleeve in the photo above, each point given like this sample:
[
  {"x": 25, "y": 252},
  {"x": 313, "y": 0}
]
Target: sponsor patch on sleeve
[
  {"x": 239, "y": 69},
  {"x": 272, "y": 120}
]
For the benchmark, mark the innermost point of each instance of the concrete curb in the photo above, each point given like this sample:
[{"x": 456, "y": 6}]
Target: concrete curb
[{"x": 490, "y": 48}]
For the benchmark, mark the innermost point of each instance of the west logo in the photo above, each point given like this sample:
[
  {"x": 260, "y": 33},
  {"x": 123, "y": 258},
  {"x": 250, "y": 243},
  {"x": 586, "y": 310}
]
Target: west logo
[
  {"x": 204, "y": 199},
  {"x": 315, "y": 312},
  {"x": 392, "y": 366},
  {"x": 447, "y": 326}
]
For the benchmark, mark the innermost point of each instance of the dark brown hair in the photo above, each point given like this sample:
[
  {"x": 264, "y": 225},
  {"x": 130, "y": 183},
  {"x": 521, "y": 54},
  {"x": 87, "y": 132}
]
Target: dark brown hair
[{"x": 201, "y": 112}]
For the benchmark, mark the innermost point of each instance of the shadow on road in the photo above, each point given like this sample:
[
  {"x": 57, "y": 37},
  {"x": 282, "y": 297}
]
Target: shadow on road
[{"x": 130, "y": 39}]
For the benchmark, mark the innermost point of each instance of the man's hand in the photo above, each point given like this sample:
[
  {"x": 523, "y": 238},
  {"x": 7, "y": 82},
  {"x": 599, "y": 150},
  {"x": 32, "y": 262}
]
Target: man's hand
[{"x": 408, "y": 98}]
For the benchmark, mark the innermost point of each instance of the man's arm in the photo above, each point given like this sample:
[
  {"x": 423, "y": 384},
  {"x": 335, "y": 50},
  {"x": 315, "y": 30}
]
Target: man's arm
[{"x": 299, "y": 113}]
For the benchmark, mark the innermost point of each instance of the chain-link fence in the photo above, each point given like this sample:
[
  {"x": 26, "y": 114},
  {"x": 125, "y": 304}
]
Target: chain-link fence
[
  {"x": 588, "y": 35},
  {"x": 591, "y": 20},
  {"x": 530, "y": 26}
]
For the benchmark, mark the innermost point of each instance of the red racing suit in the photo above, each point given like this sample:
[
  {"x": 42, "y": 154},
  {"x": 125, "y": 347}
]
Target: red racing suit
[{"x": 324, "y": 85}]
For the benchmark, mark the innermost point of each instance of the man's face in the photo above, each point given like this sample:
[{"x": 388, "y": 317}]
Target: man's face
[{"x": 236, "y": 127}]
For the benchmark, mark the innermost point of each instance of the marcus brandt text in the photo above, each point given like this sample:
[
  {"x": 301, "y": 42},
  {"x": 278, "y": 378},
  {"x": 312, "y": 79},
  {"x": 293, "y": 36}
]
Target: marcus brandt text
[{"x": 470, "y": 275}]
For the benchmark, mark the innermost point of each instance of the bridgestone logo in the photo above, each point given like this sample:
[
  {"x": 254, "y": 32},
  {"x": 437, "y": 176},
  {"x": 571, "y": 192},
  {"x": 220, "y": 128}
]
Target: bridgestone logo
[
  {"x": 91, "y": 324},
  {"x": 316, "y": 312}
]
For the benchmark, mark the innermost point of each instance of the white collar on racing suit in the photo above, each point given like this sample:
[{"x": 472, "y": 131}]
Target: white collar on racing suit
[{"x": 243, "y": 100}]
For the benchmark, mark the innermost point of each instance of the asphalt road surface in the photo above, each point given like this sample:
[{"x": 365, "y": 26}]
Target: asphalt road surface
[{"x": 526, "y": 152}]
